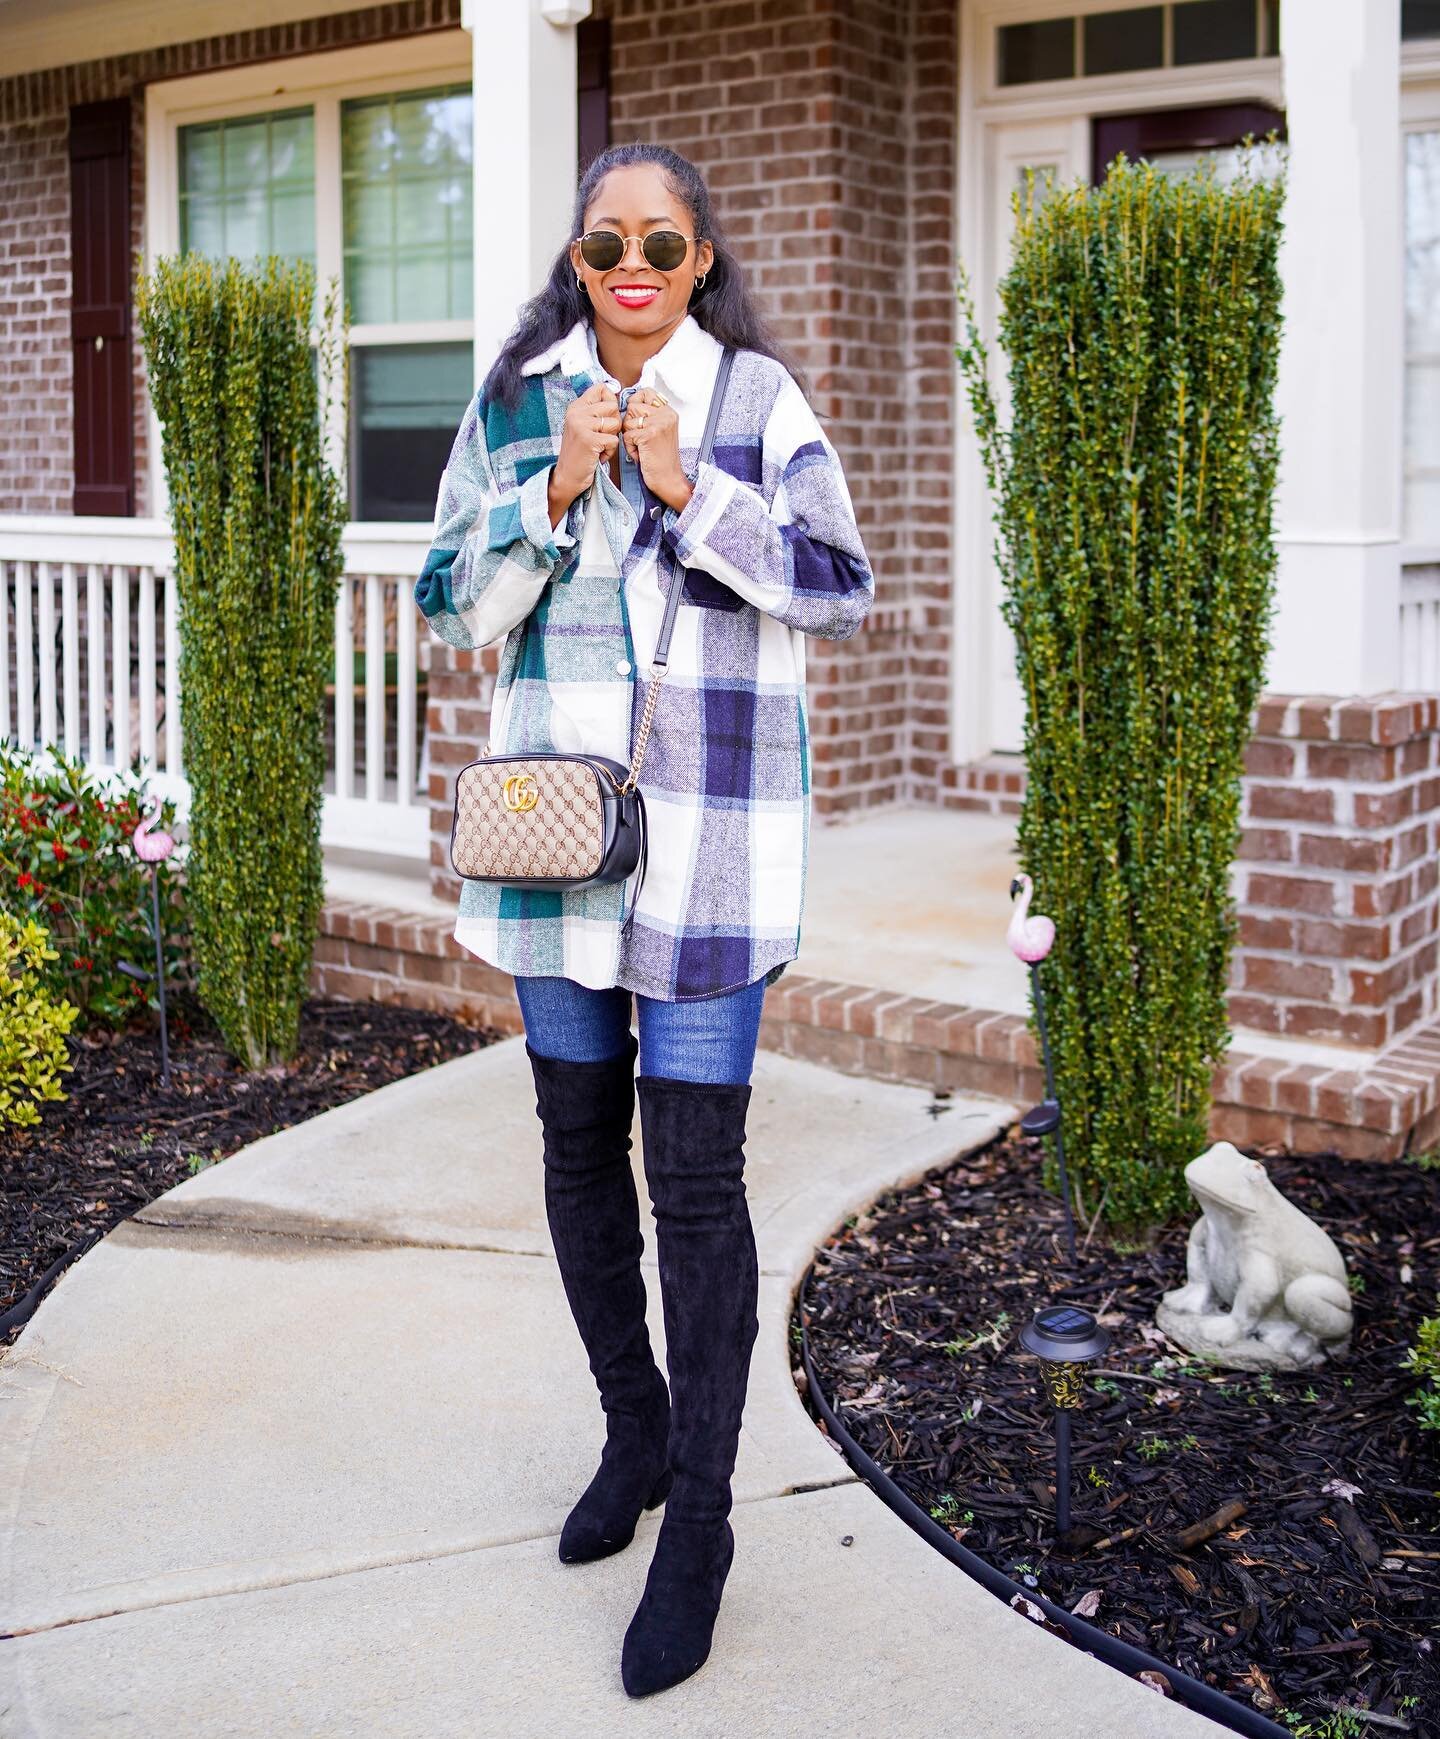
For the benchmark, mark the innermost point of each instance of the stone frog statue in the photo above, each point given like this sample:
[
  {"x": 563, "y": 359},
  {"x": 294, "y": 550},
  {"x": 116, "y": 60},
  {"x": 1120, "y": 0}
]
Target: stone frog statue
[{"x": 1281, "y": 1274}]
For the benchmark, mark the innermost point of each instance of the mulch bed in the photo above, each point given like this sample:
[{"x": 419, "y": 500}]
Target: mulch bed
[
  {"x": 1308, "y": 1600},
  {"x": 119, "y": 1139}
]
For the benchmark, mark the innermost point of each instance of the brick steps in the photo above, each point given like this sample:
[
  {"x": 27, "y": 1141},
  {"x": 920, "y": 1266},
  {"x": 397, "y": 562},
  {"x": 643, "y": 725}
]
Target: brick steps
[{"x": 1390, "y": 1107}]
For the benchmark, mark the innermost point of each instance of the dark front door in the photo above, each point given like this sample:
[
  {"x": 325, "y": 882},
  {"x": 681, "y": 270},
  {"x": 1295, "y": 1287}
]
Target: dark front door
[
  {"x": 100, "y": 307},
  {"x": 1175, "y": 136}
]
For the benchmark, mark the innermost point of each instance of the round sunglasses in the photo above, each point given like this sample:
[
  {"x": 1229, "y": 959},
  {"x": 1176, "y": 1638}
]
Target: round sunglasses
[{"x": 602, "y": 249}]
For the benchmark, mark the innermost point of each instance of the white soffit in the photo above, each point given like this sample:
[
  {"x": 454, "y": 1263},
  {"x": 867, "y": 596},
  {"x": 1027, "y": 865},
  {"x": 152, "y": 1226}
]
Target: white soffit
[{"x": 36, "y": 34}]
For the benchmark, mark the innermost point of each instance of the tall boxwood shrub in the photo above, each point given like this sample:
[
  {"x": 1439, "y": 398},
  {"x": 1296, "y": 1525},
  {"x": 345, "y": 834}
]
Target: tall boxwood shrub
[
  {"x": 1133, "y": 493},
  {"x": 257, "y": 517}
]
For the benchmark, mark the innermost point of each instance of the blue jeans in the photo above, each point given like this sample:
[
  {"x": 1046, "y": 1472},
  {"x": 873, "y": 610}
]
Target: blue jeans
[{"x": 710, "y": 1039}]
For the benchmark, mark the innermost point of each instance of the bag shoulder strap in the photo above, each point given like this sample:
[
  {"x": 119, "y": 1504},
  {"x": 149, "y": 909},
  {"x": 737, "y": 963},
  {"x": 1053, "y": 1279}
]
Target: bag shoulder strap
[
  {"x": 707, "y": 444},
  {"x": 661, "y": 660}
]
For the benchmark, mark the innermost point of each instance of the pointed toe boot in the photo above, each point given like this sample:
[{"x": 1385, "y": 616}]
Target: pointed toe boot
[
  {"x": 694, "y": 1138},
  {"x": 586, "y": 1111}
]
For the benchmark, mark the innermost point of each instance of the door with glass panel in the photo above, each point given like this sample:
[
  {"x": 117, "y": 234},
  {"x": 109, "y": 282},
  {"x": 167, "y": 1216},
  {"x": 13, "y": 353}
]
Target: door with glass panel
[{"x": 1053, "y": 150}]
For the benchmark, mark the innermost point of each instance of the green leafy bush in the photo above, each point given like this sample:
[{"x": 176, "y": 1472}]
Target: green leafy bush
[
  {"x": 33, "y": 1022},
  {"x": 1424, "y": 1359},
  {"x": 1133, "y": 493},
  {"x": 66, "y": 859},
  {"x": 257, "y": 516}
]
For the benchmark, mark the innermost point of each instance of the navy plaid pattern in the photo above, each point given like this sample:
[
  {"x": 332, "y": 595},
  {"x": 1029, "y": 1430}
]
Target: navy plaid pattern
[{"x": 773, "y": 553}]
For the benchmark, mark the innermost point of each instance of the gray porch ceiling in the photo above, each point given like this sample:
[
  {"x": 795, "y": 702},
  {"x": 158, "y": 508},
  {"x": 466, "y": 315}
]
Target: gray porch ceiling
[{"x": 36, "y": 34}]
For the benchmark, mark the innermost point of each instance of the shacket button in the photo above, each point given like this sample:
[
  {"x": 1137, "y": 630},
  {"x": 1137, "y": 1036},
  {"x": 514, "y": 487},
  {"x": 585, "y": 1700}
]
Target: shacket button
[{"x": 623, "y": 667}]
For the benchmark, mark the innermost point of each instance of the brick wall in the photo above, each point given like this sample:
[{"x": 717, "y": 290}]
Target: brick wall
[
  {"x": 1337, "y": 869},
  {"x": 34, "y": 312},
  {"x": 36, "y": 454}
]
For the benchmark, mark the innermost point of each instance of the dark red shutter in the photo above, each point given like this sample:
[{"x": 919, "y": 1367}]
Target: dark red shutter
[
  {"x": 592, "y": 79},
  {"x": 100, "y": 307}
]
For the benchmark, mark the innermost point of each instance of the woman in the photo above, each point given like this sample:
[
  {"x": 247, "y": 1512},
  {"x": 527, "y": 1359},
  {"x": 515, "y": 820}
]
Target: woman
[{"x": 571, "y": 502}]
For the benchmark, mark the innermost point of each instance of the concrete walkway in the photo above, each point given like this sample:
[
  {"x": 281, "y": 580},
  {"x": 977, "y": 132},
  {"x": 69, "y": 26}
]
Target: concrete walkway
[{"x": 288, "y": 1453}]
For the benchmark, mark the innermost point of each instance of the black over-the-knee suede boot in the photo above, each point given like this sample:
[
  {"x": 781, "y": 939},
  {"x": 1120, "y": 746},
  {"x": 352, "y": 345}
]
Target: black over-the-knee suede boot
[
  {"x": 586, "y": 1111},
  {"x": 709, "y": 1279}
]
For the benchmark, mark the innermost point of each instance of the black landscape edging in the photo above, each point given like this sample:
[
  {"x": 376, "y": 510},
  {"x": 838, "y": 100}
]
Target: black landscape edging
[
  {"x": 1193, "y": 1693},
  {"x": 19, "y": 1314}
]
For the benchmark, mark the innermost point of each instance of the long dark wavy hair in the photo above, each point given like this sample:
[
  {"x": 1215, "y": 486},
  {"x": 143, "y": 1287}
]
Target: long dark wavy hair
[{"x": 722, "y": 304}]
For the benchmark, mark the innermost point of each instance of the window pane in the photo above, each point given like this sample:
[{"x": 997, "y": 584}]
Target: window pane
[
  {"x": 1422, "y": 242},
  {"x": 1036, "y": 51},
  {"x": 405, "y": 169},
  {"x": 408, "y": 402},
  {"x": 1124, "y": 41},
  {"x": 247, "y": 186},
  {"x": 1419, "y": 18},
  {"x": 422, "y": 284},
  {"x": 1214, "y": 30}
]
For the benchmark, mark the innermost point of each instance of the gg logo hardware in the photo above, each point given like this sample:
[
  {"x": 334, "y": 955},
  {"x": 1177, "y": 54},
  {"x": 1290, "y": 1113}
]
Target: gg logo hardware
[{"x": 520, "y": 794}]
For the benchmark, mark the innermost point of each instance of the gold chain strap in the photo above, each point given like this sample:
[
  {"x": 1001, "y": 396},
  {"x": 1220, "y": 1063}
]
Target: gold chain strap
[{"x": 642, "y": 735}]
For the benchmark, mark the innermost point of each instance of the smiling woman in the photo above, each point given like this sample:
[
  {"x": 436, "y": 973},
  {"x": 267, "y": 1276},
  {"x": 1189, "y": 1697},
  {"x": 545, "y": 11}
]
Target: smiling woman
[{"x": 575, "y": 499}]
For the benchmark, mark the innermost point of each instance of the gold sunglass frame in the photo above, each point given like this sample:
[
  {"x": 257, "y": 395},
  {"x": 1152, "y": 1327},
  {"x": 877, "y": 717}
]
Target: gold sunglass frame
[{"x": 625, "y": 241}]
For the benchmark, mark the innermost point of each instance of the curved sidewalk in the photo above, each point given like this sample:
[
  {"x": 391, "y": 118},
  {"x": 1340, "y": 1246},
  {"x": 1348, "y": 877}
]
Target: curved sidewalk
[{"x": 287, "y": 1453}]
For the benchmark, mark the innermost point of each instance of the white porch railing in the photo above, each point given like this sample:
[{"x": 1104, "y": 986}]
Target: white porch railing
[
  {"x": 102, "y": 593},
  {"x": 1420, "y": 629}
]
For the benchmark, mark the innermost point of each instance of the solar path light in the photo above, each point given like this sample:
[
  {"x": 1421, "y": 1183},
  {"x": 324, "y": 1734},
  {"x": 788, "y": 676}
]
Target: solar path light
[{"x": 1065, "y": 1339}]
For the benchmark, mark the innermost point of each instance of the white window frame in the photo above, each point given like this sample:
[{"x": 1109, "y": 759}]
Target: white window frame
[
  {"x": 984, "y": 107},
  {"x": 321, "y": 82},
  {"x": 1419, "y": 113}
]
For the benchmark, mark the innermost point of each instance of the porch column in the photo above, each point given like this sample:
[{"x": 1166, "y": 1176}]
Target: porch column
[
  {"x": 526, "y": 146},
  {"x": 1336, "y": 625}
]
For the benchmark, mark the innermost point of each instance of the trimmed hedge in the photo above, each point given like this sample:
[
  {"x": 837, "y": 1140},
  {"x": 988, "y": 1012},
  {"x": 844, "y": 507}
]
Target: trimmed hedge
[
  {"x": 1133, "y": 493},
  {"x": 257, "y": 517}
]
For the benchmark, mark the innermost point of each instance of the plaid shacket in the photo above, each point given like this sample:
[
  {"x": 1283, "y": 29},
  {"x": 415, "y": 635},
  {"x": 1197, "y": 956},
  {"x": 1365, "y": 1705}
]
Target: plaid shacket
[{"x": 769, "y": 535}]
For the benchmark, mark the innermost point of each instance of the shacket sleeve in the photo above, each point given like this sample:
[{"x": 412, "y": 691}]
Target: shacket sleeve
[
  {"x": 800, "y": 558},
  {"x": 493, "y": 550}
]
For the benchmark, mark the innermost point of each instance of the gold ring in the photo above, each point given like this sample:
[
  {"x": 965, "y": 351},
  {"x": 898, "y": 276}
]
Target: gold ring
[
  {"x": 640, "y": 422},
  {"x": 659, "y": 397}
]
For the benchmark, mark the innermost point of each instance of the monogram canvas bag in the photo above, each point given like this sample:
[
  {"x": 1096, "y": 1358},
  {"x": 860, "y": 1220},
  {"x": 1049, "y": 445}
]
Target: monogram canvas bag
[{"x": 555, "y": 820}]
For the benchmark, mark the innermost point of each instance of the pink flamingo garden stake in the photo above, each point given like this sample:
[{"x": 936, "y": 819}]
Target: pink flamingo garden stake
[
  {"x": 1030, "y": 940},
  {"x": 153, "y": 848}
]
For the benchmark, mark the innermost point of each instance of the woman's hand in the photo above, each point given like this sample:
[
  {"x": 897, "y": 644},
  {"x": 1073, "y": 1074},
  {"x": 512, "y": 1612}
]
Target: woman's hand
[
  {"x": 589, "y": 438},
  {"x": 650, "y": 430}
]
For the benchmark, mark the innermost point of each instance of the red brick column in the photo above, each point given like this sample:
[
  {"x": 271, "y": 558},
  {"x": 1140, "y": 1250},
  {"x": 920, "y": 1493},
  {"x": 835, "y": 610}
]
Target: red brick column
[{"x": 1336, "y": 868}]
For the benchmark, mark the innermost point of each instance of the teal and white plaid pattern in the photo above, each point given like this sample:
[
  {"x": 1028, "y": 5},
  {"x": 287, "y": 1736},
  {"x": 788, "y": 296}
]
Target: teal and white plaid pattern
[{"x": 774, "y": 552}]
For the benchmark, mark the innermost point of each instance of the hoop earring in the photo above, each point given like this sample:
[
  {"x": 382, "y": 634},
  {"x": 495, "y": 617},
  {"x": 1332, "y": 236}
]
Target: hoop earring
[{"x": 700, "y": 280}]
